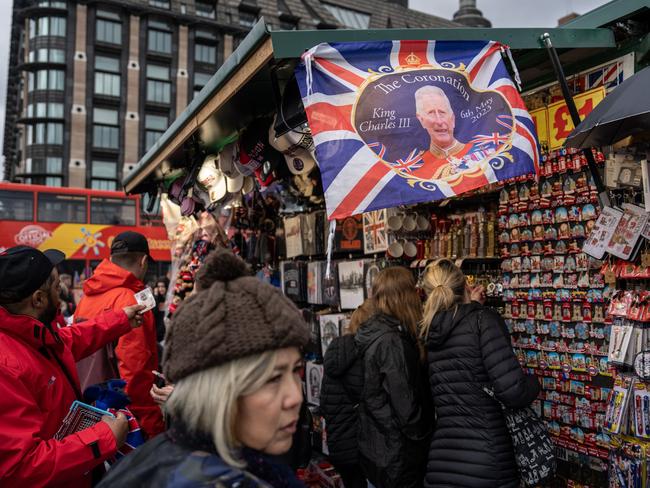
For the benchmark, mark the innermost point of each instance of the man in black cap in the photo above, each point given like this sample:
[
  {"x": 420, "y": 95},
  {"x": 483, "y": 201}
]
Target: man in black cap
[
  {"x": 38, "y": 380},
  {"x": 113, "y": 285}
]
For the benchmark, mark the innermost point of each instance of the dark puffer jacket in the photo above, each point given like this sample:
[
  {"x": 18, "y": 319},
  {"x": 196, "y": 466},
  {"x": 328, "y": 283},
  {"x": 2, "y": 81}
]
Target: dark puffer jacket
[
  {"x": 394, "y": 415},
  {"x": 339, "y": 400},
  {"x": 469, "y": 347}
]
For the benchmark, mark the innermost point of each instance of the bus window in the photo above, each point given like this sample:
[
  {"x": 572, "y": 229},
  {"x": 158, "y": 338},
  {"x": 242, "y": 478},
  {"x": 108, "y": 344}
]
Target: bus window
[
  {"x": 16, "y": 205},
  {"x": 61, "y": 208},
  {"x": 112, "y": 211}
]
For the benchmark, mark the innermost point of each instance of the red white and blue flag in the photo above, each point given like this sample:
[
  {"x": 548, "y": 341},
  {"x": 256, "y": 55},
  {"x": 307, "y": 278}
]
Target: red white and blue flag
[{"x": 403, "y": 122}]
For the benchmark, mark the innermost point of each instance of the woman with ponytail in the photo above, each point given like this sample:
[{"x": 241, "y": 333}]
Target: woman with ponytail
[
  {"x": 394, "y": 418},
  {"x": 468, "y": 347}
]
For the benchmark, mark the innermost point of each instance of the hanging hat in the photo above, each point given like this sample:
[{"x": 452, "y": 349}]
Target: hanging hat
[
  {"x": 212, "y": 179},
  {"x": 256, "y": 155},
  {"x": 297, "y": 146},
  {"x": 227, "y": 165}
]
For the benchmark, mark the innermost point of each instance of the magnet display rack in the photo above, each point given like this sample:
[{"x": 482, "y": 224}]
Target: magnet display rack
[{"x": 555, "y": 306}]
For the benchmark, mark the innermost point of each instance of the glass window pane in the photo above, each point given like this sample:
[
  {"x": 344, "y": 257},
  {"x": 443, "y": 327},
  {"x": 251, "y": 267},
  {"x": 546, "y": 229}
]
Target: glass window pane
[
  {"x": 54, "y": 133},
  {"x": 157, "y": 24},
  {"x": 112, "y": 211},
  {"x": 56, "y": 79},
  {"x": 55, "y": 181},
  {"x": 105, "y": 136},
  {"x": 205, "y": 54},
  {"x": 110, "y": 185},
  {"x": 107, "y": 84},
  {"x": 105, "y": 63},
  {"x": 32, "y": 28},
  {"x": 205, "y": 9},
  {"x": 42, "y": 55},
  {"x": 203, "y": 34},
  {"x": 156, "y": 122},
  {"x": 104, "y": 169},
  {"x": 160, "y": 41},
  {"x": 31, "y": 57},
  {"x": 201, "y": 79},
  {"x": 61, "y": 208},
  {"x": 57, "y": 26},
  {"x": 30, "y": 110},
  {"x": 57, "y": 56},
  {"x": 158, "y": 72},
  {"x": 16, "y": 205},
  {"x": 158, "y": 91},
  {"x": 105, "y": 116},
  {"x": 107, "y": 14},
  {"x": 108, "y": 31},
  {"x": 55, "y": 110},
  {"x": 43, "y": 26},
  {"x": 41, "y": 79},
  {"x": 150, "y": 138},
  {"x": 53, "y": 165},
  {"x": 30, "y": 81},
  {"x": 41, "y": 109},
  {"x": 39, "y": 134}
]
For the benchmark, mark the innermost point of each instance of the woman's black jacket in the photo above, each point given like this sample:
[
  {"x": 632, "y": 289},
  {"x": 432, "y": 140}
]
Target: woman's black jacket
[{"x": 468, "y": 347}]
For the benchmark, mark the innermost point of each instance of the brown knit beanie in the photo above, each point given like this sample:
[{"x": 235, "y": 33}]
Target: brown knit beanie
[{"x": 233, "y": 316}]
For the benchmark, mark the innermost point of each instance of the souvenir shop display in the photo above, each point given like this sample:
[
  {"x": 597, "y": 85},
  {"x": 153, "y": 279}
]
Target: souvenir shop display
[
  {"x": 351, "y": 284},
  {"x": 555, "y": 300},
  {"x": 313, "y": 378}
]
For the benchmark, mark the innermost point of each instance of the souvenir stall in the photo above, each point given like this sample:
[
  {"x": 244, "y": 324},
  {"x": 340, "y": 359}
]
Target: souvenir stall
[{"x": 307, "y": 169}]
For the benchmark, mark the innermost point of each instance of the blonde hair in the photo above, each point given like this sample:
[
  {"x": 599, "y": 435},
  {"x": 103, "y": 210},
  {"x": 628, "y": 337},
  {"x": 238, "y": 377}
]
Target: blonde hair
[
  {"x": 361, "y": 314},
  {"x": 444, "y": 284},
  {"x": 207, "y": 401},
  {"x": 394, "y": 294}
]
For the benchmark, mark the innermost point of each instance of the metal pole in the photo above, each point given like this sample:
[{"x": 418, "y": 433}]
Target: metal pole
[{"x": 603, "y": 195}]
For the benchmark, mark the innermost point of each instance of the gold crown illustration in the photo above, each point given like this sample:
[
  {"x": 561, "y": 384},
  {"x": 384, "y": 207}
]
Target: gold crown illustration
[{"x": 412, "y": 60}]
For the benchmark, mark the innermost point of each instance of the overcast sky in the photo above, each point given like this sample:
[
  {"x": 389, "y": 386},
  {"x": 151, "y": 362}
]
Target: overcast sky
[{"x": 502, "y": 13}]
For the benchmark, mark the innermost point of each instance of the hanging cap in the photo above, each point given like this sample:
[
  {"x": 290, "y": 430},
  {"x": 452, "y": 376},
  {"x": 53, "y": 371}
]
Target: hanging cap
[{"x": 297, "y": 146}]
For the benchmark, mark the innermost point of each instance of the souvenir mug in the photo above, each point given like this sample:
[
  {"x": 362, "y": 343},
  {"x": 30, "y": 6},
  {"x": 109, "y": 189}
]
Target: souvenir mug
[
  {"x": 409, "y": 224},
  {"x": 395, "y": 222}
]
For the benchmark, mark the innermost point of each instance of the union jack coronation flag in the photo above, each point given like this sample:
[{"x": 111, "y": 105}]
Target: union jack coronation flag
[{"x": 403, "y": 122}]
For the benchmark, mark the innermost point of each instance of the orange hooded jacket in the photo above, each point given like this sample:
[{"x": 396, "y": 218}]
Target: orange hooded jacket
[{"x": 112, "y": 288}]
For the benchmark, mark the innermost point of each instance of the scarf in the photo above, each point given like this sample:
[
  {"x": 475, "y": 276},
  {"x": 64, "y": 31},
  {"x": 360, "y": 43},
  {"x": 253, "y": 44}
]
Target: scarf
[{"x": 257, "y": 463}]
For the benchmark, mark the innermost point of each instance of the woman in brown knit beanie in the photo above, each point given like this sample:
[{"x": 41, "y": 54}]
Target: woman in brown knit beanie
[{"x": 233, "y": 354}]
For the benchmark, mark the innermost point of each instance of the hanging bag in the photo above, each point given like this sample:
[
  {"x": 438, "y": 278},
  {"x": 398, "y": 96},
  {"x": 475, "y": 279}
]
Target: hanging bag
[{"x": 531, "y": 443}]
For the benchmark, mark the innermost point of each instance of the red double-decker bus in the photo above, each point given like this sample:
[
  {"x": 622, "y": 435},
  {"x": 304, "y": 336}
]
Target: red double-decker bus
[{"x": 80, "y": 222}]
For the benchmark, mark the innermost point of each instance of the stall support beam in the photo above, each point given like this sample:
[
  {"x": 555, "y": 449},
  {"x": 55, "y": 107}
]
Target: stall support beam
[{"x": 603, "y": 196}]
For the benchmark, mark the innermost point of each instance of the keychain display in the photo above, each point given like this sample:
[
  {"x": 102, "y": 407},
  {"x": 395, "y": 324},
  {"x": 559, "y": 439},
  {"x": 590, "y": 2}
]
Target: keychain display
[{"x": 555, "y": 305}]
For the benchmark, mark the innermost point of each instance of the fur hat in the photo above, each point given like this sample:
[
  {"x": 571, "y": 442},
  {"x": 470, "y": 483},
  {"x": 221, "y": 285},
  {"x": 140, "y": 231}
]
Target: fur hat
[{"x": 233, "y": 316}]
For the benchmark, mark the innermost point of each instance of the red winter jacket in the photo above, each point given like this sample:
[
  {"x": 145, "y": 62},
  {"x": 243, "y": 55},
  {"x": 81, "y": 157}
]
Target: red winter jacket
[
  {"x": 111, "y": 288},
  {"x": 38, "y": 383}
]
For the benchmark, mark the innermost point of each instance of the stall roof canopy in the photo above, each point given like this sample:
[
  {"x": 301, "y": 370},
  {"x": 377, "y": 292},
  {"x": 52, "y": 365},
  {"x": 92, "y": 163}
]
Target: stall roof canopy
[{"x": 242, "y": 86}]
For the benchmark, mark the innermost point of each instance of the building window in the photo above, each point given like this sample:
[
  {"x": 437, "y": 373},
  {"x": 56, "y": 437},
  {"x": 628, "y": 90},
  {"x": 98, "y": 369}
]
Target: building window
[
  {"x": 348, "y": 17},
  {"x": 107, "y": 78},
  {"x": 112, "y": 211},
  {"x": 51, "y": 3},
  {"x": 200, "y": 80},
  {"x": 105, "y": 128},
  {"x": 158, "y": 85},
  {"x": 45, "y": 55},
  {"x": 155, "y": 126},
  {"x": 159, "y": 3},
  {"x": 46, "y": 133},
  {"x": 109, "y": 27},
  {"x": 16, "y": 205},
  {"x": 205, "y": 9},
  {"x": 48, "y": 79},
  {"x": 43, "y": 110},
  {"x": 55, "y": 181},
  {"x": 47, "y": 26},
  {"x": 103, "y": 175},
  {"x": 61, "y": 208},
  {"x": 205, "y": 54},
  {"x": 247, "y": 19},
  {"x": 159, "y": 37}
]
